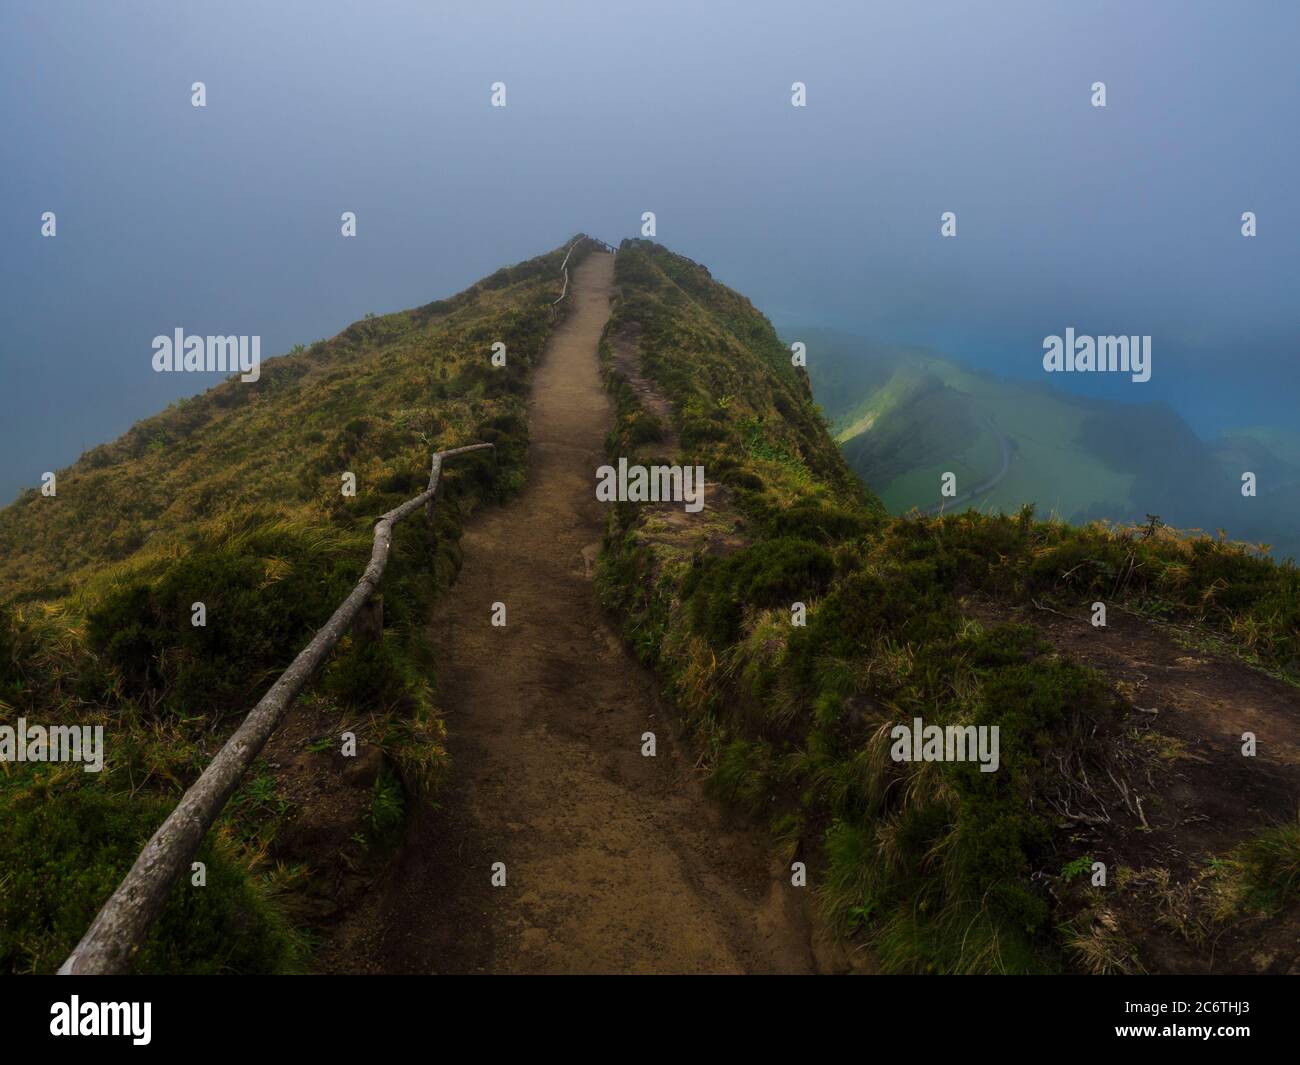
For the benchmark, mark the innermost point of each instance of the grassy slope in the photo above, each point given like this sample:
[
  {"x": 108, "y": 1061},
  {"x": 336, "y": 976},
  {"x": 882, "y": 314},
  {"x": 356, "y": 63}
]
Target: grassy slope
[
  {"x": 937, "y": 866},
  {"x": 234, "y": 499}
]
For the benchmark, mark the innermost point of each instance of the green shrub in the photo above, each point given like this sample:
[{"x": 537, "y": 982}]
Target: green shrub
[
  {"x": 62, "y": 856},
  {"x": 255, "y": 621},
  {"x": 370, "y": 674},
  {"x": 767, "y": 574}
]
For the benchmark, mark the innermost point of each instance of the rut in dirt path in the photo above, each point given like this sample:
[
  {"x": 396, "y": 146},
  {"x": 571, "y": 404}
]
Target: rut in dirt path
[{"x": 615, "y": 862}]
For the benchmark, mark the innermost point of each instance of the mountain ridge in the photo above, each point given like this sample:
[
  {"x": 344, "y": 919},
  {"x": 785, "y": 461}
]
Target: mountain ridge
[{"x": 795, "y": 624}]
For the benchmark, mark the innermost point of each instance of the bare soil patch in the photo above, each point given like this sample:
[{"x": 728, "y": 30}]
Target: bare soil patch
[{"x": 1200, "y": 796}]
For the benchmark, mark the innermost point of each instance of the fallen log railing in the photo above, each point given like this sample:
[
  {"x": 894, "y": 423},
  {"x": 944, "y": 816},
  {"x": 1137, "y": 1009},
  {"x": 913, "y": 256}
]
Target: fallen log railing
[
  {"x": 564, "y": 269},
  {"x": 120, "y": 928},
  {"x": 564, "y": 266}
]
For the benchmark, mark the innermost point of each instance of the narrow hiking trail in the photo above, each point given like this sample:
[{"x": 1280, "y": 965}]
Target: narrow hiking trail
[{"x": 615, "y": 862}]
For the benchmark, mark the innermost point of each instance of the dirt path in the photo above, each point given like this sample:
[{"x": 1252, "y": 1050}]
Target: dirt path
[{"x": 615, "y": 862}]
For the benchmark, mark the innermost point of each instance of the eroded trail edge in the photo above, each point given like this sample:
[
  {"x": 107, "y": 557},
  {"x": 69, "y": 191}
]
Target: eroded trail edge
[{"x": 614, "y": 862}]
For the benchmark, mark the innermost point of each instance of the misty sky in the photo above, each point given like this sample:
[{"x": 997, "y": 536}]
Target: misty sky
[{"x": 226, "y": 219}]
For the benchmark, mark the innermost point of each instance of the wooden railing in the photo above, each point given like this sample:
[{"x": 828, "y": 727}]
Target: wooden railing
[
  {"x": 564, "y": 266},
  {"x": 116, "y": 934},
  {"x": 564, "y": 269}
]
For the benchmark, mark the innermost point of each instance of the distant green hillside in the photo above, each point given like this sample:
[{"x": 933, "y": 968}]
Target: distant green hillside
[{"x": 904, "y": 417}]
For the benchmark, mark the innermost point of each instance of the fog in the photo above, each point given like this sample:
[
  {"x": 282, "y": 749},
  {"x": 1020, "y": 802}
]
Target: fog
[{"x": 226, "y": 219}]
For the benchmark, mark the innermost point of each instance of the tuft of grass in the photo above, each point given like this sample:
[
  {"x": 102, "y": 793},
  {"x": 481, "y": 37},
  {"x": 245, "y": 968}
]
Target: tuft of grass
[
  {"x": 387, "y": 804},
  {"x": 1094, "y": 940},
  {"x": 1272, "y": 859},
  {"x": 1261, "y": 875}
]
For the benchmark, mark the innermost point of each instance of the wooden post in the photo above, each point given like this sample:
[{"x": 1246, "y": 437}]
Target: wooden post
[
  {"x": 369, "y": 625},
  {"x": 435, "y": 472}
]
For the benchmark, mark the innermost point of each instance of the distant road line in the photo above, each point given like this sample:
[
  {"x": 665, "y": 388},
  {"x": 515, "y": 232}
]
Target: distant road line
[{"x": 1004, "y": 442}]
